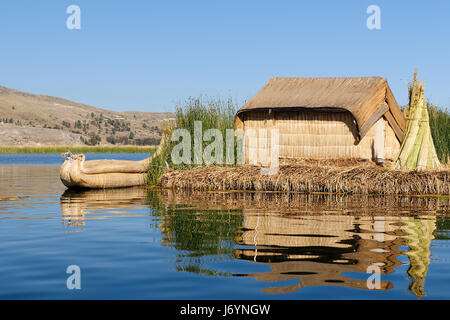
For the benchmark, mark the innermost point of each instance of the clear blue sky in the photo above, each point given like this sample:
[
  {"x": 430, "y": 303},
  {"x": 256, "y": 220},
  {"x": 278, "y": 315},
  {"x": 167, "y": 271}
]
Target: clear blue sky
[{"x": 148, "y": 55}]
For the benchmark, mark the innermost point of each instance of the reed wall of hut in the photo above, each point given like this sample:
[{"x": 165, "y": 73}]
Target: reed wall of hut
[{"x": 315, "y": 134}]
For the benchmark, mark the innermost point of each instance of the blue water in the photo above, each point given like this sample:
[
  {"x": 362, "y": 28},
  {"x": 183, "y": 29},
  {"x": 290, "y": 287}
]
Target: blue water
[
  {"x": 144, "y": 243},
  {"x": 56, "y": 158}
]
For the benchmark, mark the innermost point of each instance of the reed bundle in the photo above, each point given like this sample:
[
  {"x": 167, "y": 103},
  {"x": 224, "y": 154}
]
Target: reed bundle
[{"x": 417, "y": 150}]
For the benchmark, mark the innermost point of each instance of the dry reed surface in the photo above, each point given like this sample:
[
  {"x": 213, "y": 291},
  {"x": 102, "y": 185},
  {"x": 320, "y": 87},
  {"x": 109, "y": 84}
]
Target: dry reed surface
[{"x": 313, "y": 176}]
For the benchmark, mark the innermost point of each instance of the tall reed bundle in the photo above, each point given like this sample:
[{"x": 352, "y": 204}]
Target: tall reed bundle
[{"x": 417, "y": 150}]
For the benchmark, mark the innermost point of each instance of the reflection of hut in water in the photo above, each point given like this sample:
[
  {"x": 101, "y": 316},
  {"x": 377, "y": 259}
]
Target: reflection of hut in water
[
  {"x": 80, "y": 205},
  {"x": 318, "y": 250},
  {"x": 321, "y": 239}
]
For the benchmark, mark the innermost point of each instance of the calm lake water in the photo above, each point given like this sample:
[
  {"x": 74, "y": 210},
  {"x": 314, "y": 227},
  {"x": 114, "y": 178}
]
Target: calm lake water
[{"x": 144, "y": 243}]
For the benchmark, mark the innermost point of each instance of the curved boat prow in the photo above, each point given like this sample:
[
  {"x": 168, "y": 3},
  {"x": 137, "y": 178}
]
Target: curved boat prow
[{"x": 100, "y": 174}]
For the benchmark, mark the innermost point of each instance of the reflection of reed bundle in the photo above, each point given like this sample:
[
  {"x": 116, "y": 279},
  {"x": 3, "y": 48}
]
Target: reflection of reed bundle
[
  {"x": 417, "y": 150},
  {"x": 419, "y": 234}
]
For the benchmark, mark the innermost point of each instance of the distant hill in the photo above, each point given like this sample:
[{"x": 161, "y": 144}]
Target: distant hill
[{"x": 31, "y": 119}]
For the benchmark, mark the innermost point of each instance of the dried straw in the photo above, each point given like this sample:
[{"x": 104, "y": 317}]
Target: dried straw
[{"x": 309, "y": 177}]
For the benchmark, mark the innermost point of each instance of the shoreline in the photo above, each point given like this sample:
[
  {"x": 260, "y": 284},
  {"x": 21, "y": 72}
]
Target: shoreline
[{"x": 78, "y": 149}]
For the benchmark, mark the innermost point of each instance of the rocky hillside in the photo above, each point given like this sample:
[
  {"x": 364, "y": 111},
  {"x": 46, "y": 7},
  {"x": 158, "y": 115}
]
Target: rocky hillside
[{"x": 30, "y": 119}]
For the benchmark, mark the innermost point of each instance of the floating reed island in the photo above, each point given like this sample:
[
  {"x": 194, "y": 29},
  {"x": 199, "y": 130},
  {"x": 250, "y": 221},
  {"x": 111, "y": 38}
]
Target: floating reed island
[
  {"x": 335, "y": 135},
  {"x": 311, "y": 177}
]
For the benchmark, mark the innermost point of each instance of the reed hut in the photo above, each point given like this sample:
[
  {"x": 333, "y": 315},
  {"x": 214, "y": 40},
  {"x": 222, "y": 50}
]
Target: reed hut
[{"x": 323, "y": 118}]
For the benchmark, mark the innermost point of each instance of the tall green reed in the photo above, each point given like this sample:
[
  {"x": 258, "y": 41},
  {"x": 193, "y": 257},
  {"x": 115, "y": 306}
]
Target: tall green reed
[
  {"x": 440, "y": 131},
  {"x": 213, "y": 113}
]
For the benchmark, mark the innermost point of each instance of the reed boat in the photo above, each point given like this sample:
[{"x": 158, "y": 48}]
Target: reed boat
[{"x": 76, "y": 172}]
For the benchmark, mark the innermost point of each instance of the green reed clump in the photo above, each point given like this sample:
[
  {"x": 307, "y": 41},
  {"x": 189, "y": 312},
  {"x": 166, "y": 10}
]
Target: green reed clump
[
  {"x": 213, "y": 113},
  {"x": 440, "y": 131}
]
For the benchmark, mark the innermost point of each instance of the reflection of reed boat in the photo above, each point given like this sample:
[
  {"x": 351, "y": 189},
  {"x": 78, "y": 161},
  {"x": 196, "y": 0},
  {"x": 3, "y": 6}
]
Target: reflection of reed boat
[{"x": 77, "y": 204}]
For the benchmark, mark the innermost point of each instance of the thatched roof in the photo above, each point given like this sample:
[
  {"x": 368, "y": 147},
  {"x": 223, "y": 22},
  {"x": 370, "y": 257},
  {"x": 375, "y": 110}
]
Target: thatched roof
[{"x": 367, "y": 99}]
